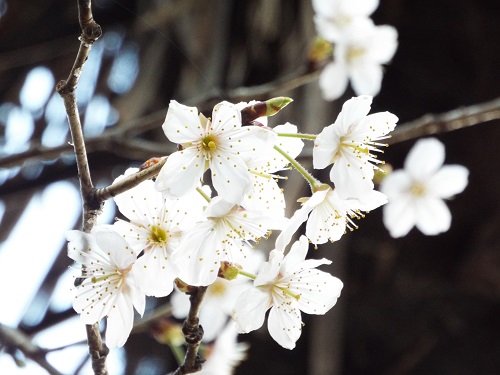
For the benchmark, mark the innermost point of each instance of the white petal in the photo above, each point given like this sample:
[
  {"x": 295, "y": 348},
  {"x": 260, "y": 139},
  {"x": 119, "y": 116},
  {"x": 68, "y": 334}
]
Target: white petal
[
  {"x": 383, "y": 45},
  {"x": 395, "y": 184},
  {"x": 353, "y": 111},
  {"x": 141, "y": 202},
  {"x": 298, "y": 218},
  {"x": 296, "y": 255},
  {"x": 325, "y": 8},
  {"x": 154, "y": 272},
  {"x": 230, "y": 177},
  {"x": 448, "y": 181},
  {"x": 333, "y": 80},
  {"x": 116, "y": 247},
  {"x": 318, "y": 290},
  {"x": 366, "y": 79},
  {"x": 269, "y": 270},
  {"x": 358, "y": 7},
  {"x": 180, "y": 304},
  {"x": 120, "y": 321},
  {"x": 433, "y": 216},
  {"x": 325, "y": 148},
  {"x": 424, "y": 159},
  {"x": 182, "y": 123},
  {"x": 181, "y": 173},
  {"x": 225, "y": 116},
  {"x": 197, "y": 256},
  {"x": 352, "y": 177},
  {"x": 218, "y": 207},
  {"x": 328, "y": 29},
  {"x": 399, "y": 217},
  {"x": 375, "y": 126},
  {"x": 250, "y": 309},
  {"x": 212, "y": 319},
  {"x": 284, "y": 323}
]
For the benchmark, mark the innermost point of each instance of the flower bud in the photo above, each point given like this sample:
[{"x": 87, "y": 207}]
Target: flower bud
[
  {"x": 168, "y": 332},
  {"x": 268, "y": 108},
  {"x": 183, "y": 287},
  {"x": 228, "y": 271}
]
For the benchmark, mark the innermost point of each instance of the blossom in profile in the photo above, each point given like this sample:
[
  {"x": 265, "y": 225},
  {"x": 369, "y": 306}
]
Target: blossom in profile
[
  {"x": 416, "y": 193},
  {"x": 351, "y": 144},
  {"x": 287, "y": 285},
  {"x": 155, "y": 227},
  {"x": 220, "y": 144},
  {"x": 328, "y": 216},
  {"x": 108, "y": 289},
  {"x": 267, "y": 196},
  {"x": 358, "y": 57}
]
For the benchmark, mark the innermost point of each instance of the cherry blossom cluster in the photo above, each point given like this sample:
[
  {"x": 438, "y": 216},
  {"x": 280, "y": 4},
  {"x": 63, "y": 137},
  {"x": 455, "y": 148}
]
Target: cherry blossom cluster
[
  {"x": 358, "y": 47},
  {"x": 199, "y": 222}
]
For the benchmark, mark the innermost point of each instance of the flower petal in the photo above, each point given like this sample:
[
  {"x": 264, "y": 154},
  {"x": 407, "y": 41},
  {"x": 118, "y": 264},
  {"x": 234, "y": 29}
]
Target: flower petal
[
  {"x": 325, "y": 148},
  {"x": 424, "y": 159},
  {"x": 333, "y": 80},
  {"x": 155, "y": 273},
  {"x": 395, "y": 184},
  {"x": 448, "y": 181},
  {"x": 399, "y": 217},
  {"x": 230, "y": 177},
  {"x": 366, "y": 78},
  {"x": 182, "y": 124},
  {"x": 181, "y": 173},
  {"x": 119, "y": 323},
  {"x": 318, "y": 291},
  {"x": 284, "y": 323},
  {"x": 433, "y": 216},
  {"x": 249, "y": 311}
]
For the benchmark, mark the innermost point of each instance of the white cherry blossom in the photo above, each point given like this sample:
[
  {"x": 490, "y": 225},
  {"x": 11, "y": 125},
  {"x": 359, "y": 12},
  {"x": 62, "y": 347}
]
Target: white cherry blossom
[
  {"x": 219, "y": 299},
  {"x": 350, "y": 144},
  {"x": 156, "y": 224},
  {"x": 267, "y": 196},
  {"x": 220, "y": 144},
  {"x": 334, "y": 19},
  {"x": 416, "y": 192},
  {"x": 287, "y": 285},
  {"x": 108, "y": 288},
  {"x": 225, "y": 235},
  {"x": 328, "y": 216},
  {"x": 358, "y": 57}
]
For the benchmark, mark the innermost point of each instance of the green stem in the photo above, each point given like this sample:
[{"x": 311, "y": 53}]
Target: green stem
[
  {"x": 247, "y": 274},
  {"x": 203, "y": 194},
  {"x": 309, "y": 137},
  {"x": 178, "y": 353},
  {"x": 309, "y": 177}
]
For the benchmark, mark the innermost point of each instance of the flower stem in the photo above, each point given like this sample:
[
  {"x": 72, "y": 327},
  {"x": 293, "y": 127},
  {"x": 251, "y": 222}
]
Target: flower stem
[
  {"x": 178, "y": 353},
  {"x": 247, "y": 274},
  {"x": 203, "y": 194},
  {"x": 309, "y": 137},
  {"x": 309, "y": 177}
]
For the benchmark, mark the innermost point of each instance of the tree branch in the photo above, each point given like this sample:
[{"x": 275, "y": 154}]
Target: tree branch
[
  {"x": 446, "y": 122},
  {"x": 91, "y": 31},
  {"x": 193, "y": 334},
  {"x": 127, "y": 183},
  {"x": 13, "y": 338}
]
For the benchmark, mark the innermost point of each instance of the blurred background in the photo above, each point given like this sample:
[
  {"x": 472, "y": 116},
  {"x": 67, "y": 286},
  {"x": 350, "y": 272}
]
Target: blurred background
[{"x": 416, "y": 305}]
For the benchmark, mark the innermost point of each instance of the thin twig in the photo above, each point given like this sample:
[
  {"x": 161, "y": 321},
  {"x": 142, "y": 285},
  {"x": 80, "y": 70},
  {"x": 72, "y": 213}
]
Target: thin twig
[
  {"x": 127, "y": 183},
  {"x": 91, "y": 31},
  {"x": 446, "y": 122},
  {"x": 193, "y": 333},
  {"x": 13, "y": 338}
]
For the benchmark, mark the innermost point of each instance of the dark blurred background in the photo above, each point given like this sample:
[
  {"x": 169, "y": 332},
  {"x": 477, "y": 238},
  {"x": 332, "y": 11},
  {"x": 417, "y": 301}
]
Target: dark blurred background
[{"x": 416, "y": 305}]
